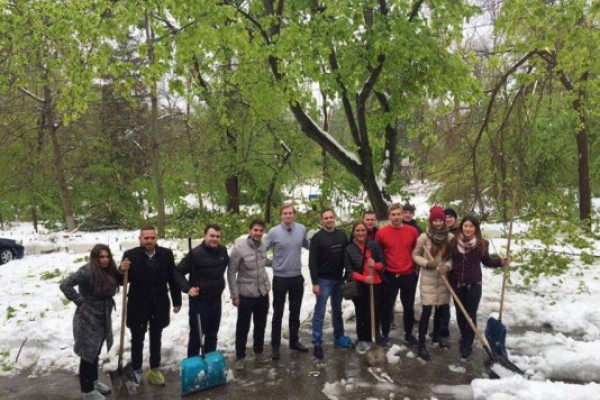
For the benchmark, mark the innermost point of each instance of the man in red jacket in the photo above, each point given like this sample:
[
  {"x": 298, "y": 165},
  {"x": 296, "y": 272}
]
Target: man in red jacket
[{"x": 398, "y": 241}]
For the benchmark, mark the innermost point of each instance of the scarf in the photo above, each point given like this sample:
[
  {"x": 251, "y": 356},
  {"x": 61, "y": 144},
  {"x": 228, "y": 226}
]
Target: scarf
[
  {"x": 465, "y": 245},
  {"x": 437, "y": 236}
]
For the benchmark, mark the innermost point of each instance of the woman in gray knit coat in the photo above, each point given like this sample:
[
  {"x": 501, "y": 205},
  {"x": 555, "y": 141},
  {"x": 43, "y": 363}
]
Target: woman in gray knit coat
[{"x": 98, "y": 282}]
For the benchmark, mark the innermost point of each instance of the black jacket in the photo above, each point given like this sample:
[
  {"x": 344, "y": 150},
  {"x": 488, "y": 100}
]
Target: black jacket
[
  {"x": 148, "y": 280},
  {"x": 326, "y": 257},
  {"x": 206, "y": 267},
  {"x": 353, "y": 257}
]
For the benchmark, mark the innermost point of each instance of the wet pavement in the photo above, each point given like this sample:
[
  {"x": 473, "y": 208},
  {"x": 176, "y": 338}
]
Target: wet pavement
[{"x": 342, "y": 374}]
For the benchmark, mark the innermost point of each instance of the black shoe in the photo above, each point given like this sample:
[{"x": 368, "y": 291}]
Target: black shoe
[
  {"x": 318, "y": 352},
  {"x": 423, "y": 353},
  {"x": 465, "y": 350},
  {"x": 443, "y": 344},
  {"x": 298, "y": 347},
  {"x": 275, "y": 353},
  {"x": 411, "y": 339},
  {"x": 383, "y": 341}
]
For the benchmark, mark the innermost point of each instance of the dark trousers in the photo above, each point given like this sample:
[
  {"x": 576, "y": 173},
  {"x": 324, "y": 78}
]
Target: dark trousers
[
  {"x": 88, "y": 374},
  {"x": 281, "y": 287},
  {"x": 363, "y": 312},
  {"x": 444, "y": 320},
  {"x": 469, "y": 295},
  {"x": 438, "y": 321},
  {"x": 210, "y": 318},
  {"x": 138, "y": 335},
  {"x": 256, "y": 309},
  {"x": 407, "y": 286}
]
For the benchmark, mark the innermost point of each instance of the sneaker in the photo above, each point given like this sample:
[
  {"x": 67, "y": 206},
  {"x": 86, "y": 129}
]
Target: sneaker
[
  {"x": 155, "y": 377},
  {"x": 275, "y": 353},
  {"x": 93, "y": 395},
  {"x": 362, "y": 347},
  {"x": 423, "y": 353},
  {"x": 383, "y": 341},
  {"x": 240, "y": 363},
  {"x": 318, "y": 352},
  {"x": 102, "y": 388},
  {"x": 261, "y": 358},
  {"x": 411, "y": 339},
  {"x": 138, "y": 376},
  {"x": 298, "y": 347},
  {"x": 344, "y": 342}
]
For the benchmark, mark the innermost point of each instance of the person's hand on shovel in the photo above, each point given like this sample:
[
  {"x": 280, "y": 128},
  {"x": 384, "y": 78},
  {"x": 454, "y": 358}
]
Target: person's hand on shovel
[
  {"x": 124, "y": 266},
  {"x": 370, "y": 264},
  {"x": 442, "y": 269},
  {"x": 505, "y": 261},
  {"x": 194, "y": 292}
]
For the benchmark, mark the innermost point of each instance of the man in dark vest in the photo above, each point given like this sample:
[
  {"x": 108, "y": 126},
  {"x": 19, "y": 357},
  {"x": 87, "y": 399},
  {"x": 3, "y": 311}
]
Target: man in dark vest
[{"x": 205, "y": 265}]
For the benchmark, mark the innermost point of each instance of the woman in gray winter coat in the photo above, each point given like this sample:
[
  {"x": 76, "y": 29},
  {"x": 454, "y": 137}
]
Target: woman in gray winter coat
[{"x": 98, "y": 281}]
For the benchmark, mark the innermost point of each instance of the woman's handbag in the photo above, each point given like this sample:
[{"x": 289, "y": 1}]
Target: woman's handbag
[{"x": 350, "y": 289}]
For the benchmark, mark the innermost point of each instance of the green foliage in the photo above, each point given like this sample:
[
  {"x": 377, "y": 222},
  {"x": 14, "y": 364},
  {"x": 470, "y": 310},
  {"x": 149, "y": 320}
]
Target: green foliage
[
  {"x": 48, "y": 275},
  {"x": 555, "y": 243},
  {"x": 10, "y": 312}
]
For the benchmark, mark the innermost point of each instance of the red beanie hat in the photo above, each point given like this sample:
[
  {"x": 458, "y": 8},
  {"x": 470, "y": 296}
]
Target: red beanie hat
[{"x": 436, "y": 212}]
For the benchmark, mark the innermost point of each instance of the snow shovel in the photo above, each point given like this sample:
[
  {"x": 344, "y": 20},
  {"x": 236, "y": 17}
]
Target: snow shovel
[
  {"x": 494, "y": 358},
  {"x": 375, "y": 354},
  {"x": 204, "y": 371},
  {"x": 495, "y": 330},
  {"x": 119, "y": 378}
]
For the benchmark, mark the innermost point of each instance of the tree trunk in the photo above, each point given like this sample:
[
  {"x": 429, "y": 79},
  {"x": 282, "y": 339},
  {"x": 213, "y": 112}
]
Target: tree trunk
[
  {"x": 153, "y": 132},
  {"x": 583, "y": 151},
  {"x": 277, "y": 171},
  {"x": 232, "y": 183},
  {"x": 59, "y": 171}
]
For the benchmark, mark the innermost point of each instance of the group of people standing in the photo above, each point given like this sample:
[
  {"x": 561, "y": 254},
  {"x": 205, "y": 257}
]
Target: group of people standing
[{"x": 390, "y": 259}]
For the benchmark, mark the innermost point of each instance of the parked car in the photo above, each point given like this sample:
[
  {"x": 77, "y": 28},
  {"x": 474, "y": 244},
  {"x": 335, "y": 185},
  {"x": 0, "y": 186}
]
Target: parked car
[{"x": 9, "y": 250}]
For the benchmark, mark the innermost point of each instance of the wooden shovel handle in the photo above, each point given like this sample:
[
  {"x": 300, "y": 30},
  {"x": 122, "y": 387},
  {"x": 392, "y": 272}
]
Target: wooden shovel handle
[
  {"x": 372, "y": 305},
  {"x": 123, "y": 319},
  {"x": 505, "y": 268},
  {"x": 482, "y": 339}
]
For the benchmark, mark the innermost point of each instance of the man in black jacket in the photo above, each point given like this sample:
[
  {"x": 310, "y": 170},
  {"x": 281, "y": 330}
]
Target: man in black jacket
[
  {"x": 151, "y": 269},
  {"x": 206, "y": 265},
  {"x": 326, "y": 264}
]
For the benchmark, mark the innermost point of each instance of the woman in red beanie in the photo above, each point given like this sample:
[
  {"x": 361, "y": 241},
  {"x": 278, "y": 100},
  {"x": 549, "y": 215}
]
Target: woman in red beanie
[{"x": 433, "y": 254}]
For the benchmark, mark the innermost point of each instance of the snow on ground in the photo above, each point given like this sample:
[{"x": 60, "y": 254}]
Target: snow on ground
[{"x": 553, "y": 325}]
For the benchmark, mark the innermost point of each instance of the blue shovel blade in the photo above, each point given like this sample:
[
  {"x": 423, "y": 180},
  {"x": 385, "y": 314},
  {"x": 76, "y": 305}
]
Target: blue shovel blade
[{"x": 199, "y": 373}]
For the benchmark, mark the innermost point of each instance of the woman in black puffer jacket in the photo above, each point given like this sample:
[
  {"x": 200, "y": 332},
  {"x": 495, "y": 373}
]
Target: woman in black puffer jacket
[{"x": 360, "y": 256}]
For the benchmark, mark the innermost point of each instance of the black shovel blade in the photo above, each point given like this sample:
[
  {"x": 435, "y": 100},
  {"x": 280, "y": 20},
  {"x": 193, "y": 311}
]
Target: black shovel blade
[
  {"x": 495, "y": 333},
  {"x": 122, "y": 382},
  {"x": 502, "y": 361}
]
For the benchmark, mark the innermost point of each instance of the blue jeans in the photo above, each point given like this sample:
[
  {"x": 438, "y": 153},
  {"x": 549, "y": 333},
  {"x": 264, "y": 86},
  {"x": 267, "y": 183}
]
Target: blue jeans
[{"x": 328, "y": 288}]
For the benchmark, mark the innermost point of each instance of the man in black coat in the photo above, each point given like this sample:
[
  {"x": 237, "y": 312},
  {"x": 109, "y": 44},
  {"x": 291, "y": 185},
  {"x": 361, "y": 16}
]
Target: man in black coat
[
  {"x": 151, "y": 269},
  {"x": 206, "y": 265}
]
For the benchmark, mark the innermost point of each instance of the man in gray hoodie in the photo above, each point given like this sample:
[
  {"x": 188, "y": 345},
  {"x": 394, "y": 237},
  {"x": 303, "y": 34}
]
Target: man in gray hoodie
[
  {"x": 287, "y": 240},
  {"x": 249, "y": 286}
]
